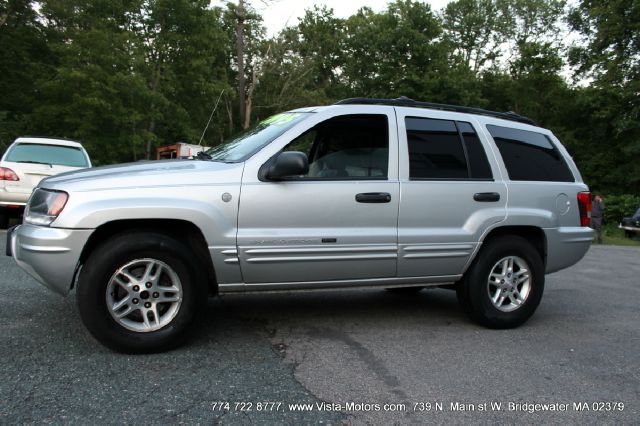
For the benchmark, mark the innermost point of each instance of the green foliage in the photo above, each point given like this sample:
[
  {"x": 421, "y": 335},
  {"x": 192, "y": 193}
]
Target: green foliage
[
  {"x": 619, "y": 206},
  {"x": 127, "y": 76}
]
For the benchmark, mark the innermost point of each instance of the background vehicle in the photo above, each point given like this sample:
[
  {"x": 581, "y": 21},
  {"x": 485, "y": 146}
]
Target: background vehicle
[
  {"x": 631, "y": 225},
  {"x": 178, "y": 150},
  {"x": 26, "y": 162},
  {"x": 364, "y": 193}
]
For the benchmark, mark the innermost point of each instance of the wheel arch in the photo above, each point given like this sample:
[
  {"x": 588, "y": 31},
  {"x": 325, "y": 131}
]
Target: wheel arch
[
  {"x": 179, "y": 229},
  {"x": 532, "y": 234}
]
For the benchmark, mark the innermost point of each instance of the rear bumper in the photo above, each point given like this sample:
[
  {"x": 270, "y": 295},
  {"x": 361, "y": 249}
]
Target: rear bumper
[
  {"x": 50, "y": 255},
  {"x": 13, "y": 197},
  {"x": 566, "y": 246}
]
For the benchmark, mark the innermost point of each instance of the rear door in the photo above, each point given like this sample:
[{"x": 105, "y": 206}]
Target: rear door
[{"x": 450, "y": 192}]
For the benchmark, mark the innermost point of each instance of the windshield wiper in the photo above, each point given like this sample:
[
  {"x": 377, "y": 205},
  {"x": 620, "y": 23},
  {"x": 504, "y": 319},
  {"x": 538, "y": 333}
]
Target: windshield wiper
[
  {"x": 203, "y": 156},
  {"x": 34, "y": 162}
]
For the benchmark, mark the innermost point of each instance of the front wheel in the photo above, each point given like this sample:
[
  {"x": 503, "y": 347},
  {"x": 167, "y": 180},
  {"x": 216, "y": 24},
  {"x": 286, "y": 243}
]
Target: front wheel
[
  {"x": 504, "y": 285},
  {"x": 139, "y": 292}
]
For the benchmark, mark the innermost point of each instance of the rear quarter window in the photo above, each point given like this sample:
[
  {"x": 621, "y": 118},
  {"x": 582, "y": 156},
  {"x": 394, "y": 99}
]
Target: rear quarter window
[{"x": 530, "y": 156}]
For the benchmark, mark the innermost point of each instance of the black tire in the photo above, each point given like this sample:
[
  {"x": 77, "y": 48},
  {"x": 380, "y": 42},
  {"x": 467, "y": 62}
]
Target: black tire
[
  {"x": 114, "y": 253},
  {"x": 4, "y": 221},
  {"x": 404, "y": 290},
  {"x": 473, "y": 289}
]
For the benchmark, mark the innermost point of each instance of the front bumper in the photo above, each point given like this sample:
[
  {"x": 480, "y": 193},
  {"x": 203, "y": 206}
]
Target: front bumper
[
  {"x": 50, "y": 255},
  {"x": 629, "y": 228}
]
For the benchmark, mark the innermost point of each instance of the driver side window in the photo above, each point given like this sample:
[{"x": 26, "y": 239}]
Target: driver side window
[{"x": 346, "y": 147}]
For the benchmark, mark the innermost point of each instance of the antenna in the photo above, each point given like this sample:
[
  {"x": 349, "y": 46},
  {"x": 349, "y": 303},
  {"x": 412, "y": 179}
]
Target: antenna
[{"x": 210, "y": 117}]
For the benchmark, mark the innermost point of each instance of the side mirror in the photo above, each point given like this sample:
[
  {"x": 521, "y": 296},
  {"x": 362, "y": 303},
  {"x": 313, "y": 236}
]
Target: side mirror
[{"x": 292, "y": 163}]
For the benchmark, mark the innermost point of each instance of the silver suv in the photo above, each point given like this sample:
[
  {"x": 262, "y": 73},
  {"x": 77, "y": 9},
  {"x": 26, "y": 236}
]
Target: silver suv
[{"x": 393, "y": 194}]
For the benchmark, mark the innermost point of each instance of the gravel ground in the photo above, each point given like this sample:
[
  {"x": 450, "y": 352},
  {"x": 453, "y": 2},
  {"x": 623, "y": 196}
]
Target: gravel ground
[{"x": 416, "y": 353}]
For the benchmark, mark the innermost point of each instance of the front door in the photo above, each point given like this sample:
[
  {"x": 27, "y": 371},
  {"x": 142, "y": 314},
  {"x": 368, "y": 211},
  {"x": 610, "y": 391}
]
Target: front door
[{"x": 337, "y": 222}]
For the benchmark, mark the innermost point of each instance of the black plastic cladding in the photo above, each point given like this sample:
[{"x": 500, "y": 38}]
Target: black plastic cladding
[{"x": 406, "y": 102}]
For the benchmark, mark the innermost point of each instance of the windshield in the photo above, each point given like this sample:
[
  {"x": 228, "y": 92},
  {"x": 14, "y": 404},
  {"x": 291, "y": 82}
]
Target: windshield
[
  {"x": 47, "y": 154},
  {"x": 244, "y": 145}
]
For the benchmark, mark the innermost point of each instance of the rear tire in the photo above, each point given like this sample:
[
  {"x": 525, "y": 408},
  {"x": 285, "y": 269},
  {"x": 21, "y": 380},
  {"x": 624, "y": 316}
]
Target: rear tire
[
  {"x": 139, "y": 292},
  {"x": 504, "y": 285}
]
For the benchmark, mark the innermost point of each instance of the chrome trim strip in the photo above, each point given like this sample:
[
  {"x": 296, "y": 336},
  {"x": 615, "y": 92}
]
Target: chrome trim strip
[
  {"x": 42, "y": 249},
  {"x": 340, "y": 284},
  {"x": 321, "y": 258},
  {"x": 435, "y": 247},
  {"x": 432, "y": 255},
  {"x": 358, "y": 249},
  {"x": 578, "y": 240}
]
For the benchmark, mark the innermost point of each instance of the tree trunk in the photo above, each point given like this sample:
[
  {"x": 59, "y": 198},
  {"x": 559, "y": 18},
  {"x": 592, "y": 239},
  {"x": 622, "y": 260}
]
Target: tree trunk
[
  {"x": 240, "y": 53},
  {"x": 152, "y": 123}
]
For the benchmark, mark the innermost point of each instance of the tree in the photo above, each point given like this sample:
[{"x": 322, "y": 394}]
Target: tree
[
  {"x": 395, "y": 52},
  {"x": 475, "y": 30},
  {"x": 250, "y": 54},
  {"x": 185, "y": 65},
  {"x": 26, "y": 58},
  {"x": 610, "y": 55}
]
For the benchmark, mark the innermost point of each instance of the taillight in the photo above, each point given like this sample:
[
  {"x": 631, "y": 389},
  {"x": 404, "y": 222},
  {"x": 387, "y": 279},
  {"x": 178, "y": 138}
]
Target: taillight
[
  {"x": 584, "y": 206},
  {"x": 8, "y": 174}
]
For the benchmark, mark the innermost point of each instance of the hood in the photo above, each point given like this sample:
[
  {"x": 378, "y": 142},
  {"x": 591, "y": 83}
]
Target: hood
[{"x": 146, "y": 174}]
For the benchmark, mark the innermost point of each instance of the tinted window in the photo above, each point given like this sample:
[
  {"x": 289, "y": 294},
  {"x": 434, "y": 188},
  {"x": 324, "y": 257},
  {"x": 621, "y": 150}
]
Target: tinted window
[
  {"x": 478, "y": 165},
  {"x": 530, "y": 155},
  {"x": 435, "y": 149},
  {"x": 48, "y": 154},
  {"x": 346, "y": 147}
]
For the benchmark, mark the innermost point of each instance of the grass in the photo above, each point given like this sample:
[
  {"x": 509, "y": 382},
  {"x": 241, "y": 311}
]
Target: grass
[{"x": 613, "y": 235}]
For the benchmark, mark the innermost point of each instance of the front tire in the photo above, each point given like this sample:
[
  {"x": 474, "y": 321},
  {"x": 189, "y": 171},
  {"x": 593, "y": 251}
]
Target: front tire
[
  {"x": 504, "y": 285},
  {"x": 139, "y": 292}
]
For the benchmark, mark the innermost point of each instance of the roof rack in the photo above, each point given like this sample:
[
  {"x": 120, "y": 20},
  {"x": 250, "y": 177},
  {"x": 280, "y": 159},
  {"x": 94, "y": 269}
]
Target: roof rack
[{"x": 407, "y": 102}]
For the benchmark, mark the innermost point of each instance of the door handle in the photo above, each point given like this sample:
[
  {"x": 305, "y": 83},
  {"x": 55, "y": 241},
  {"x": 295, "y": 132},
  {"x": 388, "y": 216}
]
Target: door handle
[
  {"x": 373, "y": 197},
  {"x": 486, "y": 196}
]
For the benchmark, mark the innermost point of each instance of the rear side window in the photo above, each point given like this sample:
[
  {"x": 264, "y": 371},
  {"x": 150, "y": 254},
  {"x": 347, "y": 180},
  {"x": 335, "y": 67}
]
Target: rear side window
[
  {"x": 445, "y": 149},
  {"x": 478, "y": 165},
  {"x": 530, "y": 155},
  {"x": 47, "y": 154}
]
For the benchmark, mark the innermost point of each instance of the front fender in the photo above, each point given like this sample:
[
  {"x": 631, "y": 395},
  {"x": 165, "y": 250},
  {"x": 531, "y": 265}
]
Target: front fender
[{"x": 201, "y": 205}]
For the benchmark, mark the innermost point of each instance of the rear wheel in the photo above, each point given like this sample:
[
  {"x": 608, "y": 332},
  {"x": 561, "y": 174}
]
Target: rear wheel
[
  {"x": 504, "y": 285},
  {"x": 139, "y": 292}
]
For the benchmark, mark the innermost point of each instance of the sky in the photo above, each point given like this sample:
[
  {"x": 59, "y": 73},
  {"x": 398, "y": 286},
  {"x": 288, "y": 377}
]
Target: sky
[{"x": 279, "y": 13}]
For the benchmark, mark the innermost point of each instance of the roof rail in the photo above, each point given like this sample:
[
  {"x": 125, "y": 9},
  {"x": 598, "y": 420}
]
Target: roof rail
[{"x": 407, "y": 102}]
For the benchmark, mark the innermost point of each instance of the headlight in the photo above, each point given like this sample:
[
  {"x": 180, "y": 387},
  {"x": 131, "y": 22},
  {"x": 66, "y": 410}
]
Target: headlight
[{"x": 44, "y": 206}]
